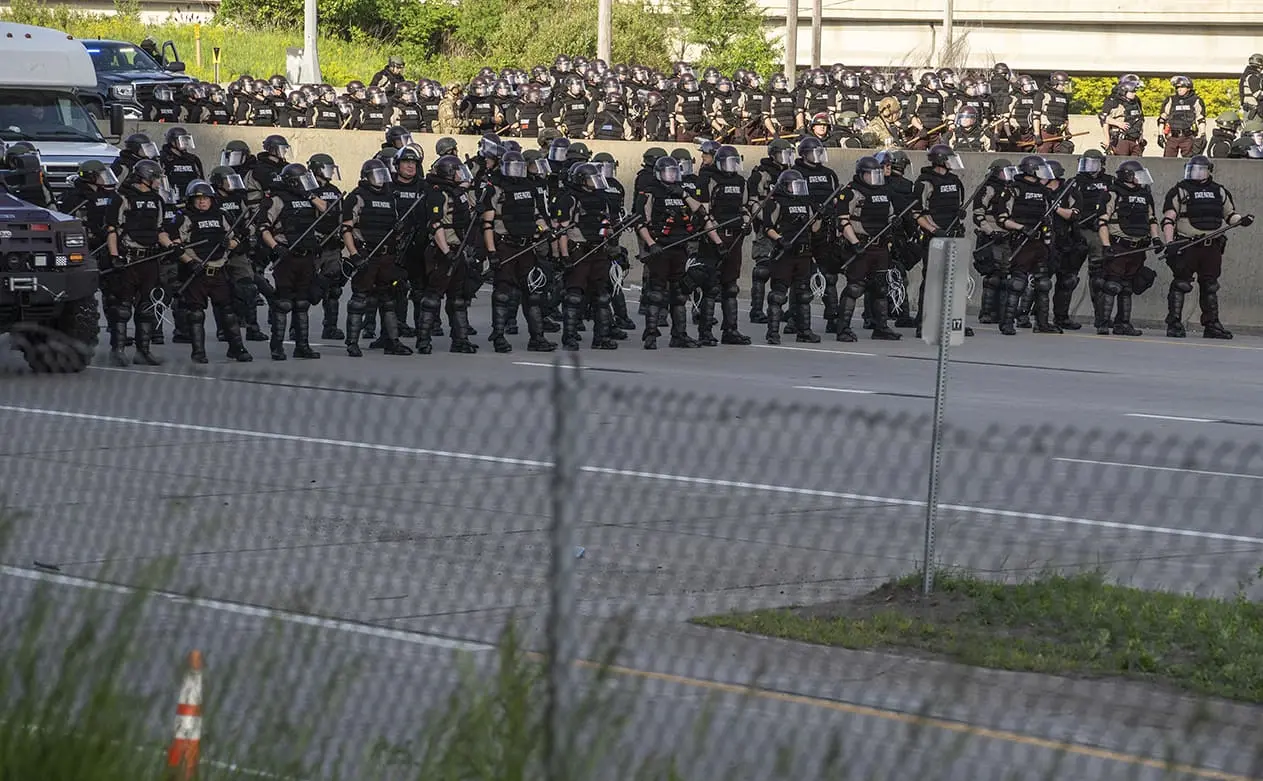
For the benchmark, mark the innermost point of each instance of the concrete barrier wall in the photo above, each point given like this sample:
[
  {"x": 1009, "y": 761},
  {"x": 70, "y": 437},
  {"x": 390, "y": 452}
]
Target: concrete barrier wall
[{"x": 1241, "y": 297}]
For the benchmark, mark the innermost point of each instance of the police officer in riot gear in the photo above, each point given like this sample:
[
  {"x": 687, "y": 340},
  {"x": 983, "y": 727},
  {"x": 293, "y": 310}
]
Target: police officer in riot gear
[
  {"x": 788, "y": 221},
  {"x": 451, "y": 222},
  {"x": 136, "y": 147},
  {"x": 1124, "y": 119},
  {"x": 1194, "y": 207},
  {"x": 88, "y": 199},
  {"x": 263, "y": 176},
  {"x": 202, "y": 238},
  {"x": 822, "y": 182},
  {"x": 925, "y": 112},
  {"x": 130, "y": 282},
  {"x": 287, "y": 228},
  {"x": 723, "y": 190},
  {"x": 671, "y": 218},
  {"x": 329, "y": 276},
  {"x": 939, "y": 200},
  {"x": 991, "y": 241},
  {"x": 230, "y": 194},
  {"x": 370, "y": 232},
  {"x": 582, "y": 213},
  {"x": 616, "y": 194},
  {"x": 1054, "y": 116},
  {"x": 1065, "y": 248},
  {"x": 1250, "y": 87},
  {"x": 1093, "y": 186},
  {"x": 1182, "y": 120},
  {"x": 779, "y": 108},
  {"x": 178, "y": 160},
  {"x": 1227, "y": 128},
  {"x": 780, "y": 156},
  {"x": 390, "y": 77},
  {"x": 1128, "y": 228},
  {"x": 1025, "y": 210},
  {"x": 865, "y": 212},
  {"x": 513, "y": 224}
]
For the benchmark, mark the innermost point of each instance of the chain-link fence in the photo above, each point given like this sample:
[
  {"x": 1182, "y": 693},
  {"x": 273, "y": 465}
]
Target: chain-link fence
[{"x": 349, "y": 556}]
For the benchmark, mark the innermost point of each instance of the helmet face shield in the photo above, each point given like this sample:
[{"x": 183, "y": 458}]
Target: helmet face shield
[
  {"x": 686, "y": 167},
  {"x": 232, "y": 184},
  {"x": 798, "y": 187},
  {"x": 105, "y": 178},
  {"x": 308, "y": 182},
  {"x": 148, "y": 151},
  {"x": 783, "y": 156},
  {"x": 184, "y": 143},
  {"x": 540, "y": 166},
  {"x": 1197, "y": 172},
  {"x": 1142, "y": 177},
  {"x": 232, "y": 157},
  {"x": 817, "y": 155},
  {"x": 874, "y": 178},
  {"x": 379, "y": 176},
  {"x": 514, "y": 169},
  {"x": 670, "y": 174},
  {"x": 1090, "y": 165},
  {"x": 1008, "y": 173},
  {"x": 607, "y": 169},
  {"x": 1043, "y": 172},
  {"x": 597, "y": 182}
]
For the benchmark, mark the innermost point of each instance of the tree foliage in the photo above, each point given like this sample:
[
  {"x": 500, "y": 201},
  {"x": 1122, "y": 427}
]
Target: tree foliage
[
  {"x": 730, "y": 34},
  {"x": 1089, "y": 94}
]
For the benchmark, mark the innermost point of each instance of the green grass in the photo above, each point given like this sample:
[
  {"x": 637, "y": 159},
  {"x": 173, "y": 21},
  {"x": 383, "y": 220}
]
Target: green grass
[{"x": 1070, "y": 625}]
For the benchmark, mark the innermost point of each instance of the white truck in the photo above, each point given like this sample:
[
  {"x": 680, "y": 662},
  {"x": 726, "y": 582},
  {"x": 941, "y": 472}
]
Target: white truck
[{"x": 42, "y": 75}]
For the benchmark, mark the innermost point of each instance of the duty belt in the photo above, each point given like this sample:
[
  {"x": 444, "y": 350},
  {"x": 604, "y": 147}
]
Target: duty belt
[
  {"x": 1196, "y": 240},
  {"x": 1130, "y": 242}
]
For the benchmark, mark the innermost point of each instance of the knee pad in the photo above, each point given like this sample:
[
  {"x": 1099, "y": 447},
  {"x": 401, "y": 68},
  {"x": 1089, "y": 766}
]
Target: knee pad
[
  {"x": 1017, "y": 283},
  {"x": 502, "y": 297},
  {"x": 731, "y": 291},
  {"x": 1128, "y": 287},
  {"x": 1097, "y": 284},
  {"x": 993, "y": 282},
  {"x": 245, "y": 289},
  {"x": 878, "y": 285},
  {"x": 1181, "y": 286},
  {"x": 573, "y": 298},
  {"x": 359, "y": 304},
  {"x": 429, "y": 304},
  {"x": 1067, "y": 283},
  {"x": 1112, "y": 286},
  {"x": 195, "y": 316},
  {"x": 603, "y": 298},
  {"x": 122, "y": 311},
  {"x": 302, "y": 305},
  {"x": 655, "y": 297},
  {"x": 283, "y": 305},
  {"x": 761, "y": 273},
  {"x": 777, "y": 298},
  {"x": 1209, "y": 285},
  {"x": 854, "y": 290},
  {"x": 458, "y": 304},
  {"x": 1043, "y": 284}
]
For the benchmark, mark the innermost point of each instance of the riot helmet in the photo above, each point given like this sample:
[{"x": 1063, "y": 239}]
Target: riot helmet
[
  {"x": 513, "y": 165},
  {"x": 942, "y": 156},
  {"x": 728, "y": 160},
  {"x": 375, "y": 173},
  {"x": 322, "y": 166},
  {"x": 297, "y": 179},
  {"x": 667, "y": 170},
  {"x": 869, "y": 171},
  {"x": 178, "y": 138},
  {"x": 811, "y": 150},
  {"x": 1133, "y": 172},
  {"x": 792, "y": 183},
  {"x": 1198, "y": 168}
]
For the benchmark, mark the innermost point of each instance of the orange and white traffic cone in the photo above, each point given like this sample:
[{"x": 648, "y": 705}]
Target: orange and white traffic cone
[{"x": 182, "y": 757}]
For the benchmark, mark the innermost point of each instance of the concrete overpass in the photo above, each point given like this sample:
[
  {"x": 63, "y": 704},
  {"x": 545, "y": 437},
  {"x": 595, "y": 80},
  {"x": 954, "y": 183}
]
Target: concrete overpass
[
  {"x": 1203, "y": 38},
  {"x": 151, "y": 11}
]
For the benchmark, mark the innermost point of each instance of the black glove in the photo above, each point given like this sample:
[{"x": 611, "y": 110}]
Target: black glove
[
  {"x": 356, "y": 260},
  {"x": 1032, "y": 232},
  {"x": 653, "y": 250},
  {"x": 280, "y": 252},
  {"x": 1172, "y": 253},
  {"x": 114, "y": 261},
  {"x": 784, "y": 243},
  {"x": 1246, "y": 221},
  {"x": 1158, "y": 243},
  {"x": 1108, "y": 251},
  {"x": 197, "y": 266}
]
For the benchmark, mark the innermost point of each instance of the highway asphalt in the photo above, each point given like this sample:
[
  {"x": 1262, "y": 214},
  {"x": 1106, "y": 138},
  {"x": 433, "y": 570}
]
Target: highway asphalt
[{"x": 406, "y": 502}]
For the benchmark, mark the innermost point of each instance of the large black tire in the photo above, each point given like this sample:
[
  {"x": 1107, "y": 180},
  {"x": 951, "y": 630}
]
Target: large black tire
[{"x": 68, "y": 348}]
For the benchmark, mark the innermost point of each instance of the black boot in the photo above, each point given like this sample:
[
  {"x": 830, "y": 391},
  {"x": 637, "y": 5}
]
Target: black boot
[
  {"x": 679, "y": 324},
  {"x": 401, "y": 317},
  {"x": 302, "y": 328},
  {"x": 510, "y": 322},
  {"x": 846, "y": 312},
  {"x": 571, "y": 316},
  {"x": 602, "y": 325},
  {"x": 1041, "y": 305},
  {"x": 1011, "y": 303},
  {"x": 775, "y": 312},
  {"x": 1061, "y": 308},
  {"x": 1175, "y": 313},
  {"x": 461, "y": 329},
  {"x": 248, "y": 316},
  {"x": 354, "y": 328},
  {"x": 1102, "y": 305},
  {"x": 651, "y": 300},
  {"x": 370, "y": 324},
  {"x": 118, "y": 343},
  {"x": 758, "y": 292},
  {"x": 501, "y": 308},
  {"x": 232, "y": 330},
  {"x": 429, "y": 315},
  {"x": 802, "y": 306},
  {"x": 330, "y": 329},
  {"x": 278, "y": 320},
  {"x": 195, "y": 323},
  {"x": 881, "y": 319},
  {"x": 869, "y": 307},
  {"x": 622, "y": 319},
  {"x": 390, "y": 328},
  {"x": 144, "y": 338},
  {"x": 989, "y": 308},
  {"x": 380, "y": 310},
  {"x": 1122, "y": 323},
  {"x": 728, "y": 330},
  {"x": 181, "y": 331},
  {"x": 706, "y": 320},
  {"x": 1211, "y": 327},
  {"x": 1022, "y": 318},
  {"x": 534, "y": 315}
]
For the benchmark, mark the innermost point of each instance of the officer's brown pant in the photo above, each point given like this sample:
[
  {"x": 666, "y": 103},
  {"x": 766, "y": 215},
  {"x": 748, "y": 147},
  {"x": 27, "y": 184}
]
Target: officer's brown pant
[{"x": 1178, "y": 146}]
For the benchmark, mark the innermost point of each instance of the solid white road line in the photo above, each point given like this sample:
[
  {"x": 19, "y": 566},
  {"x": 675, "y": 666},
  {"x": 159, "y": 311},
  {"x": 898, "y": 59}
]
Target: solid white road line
[
  {"x": 834, "y": 390},
  {"x": 546, "y": 365},
  {"x": 1170, "y": 417},
  {"x": 813, "y": 350},
  {"x": 253, "y": 611},
  {"x": 1160, "y": 468},
  {"x": 142, "y": 371},
  {"x": 657, "y": 476}
]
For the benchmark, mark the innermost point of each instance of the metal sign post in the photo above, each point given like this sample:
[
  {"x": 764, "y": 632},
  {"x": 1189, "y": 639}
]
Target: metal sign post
[{"x": 942, "y": 323}]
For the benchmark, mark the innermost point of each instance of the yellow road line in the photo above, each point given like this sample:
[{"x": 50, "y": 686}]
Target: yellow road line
[{"x": 962, "y": 728}]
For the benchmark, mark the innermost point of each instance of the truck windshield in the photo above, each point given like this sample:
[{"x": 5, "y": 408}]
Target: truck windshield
[
  {"x": 38, "y": 115},
  {"x": 120, "y": 58}
]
